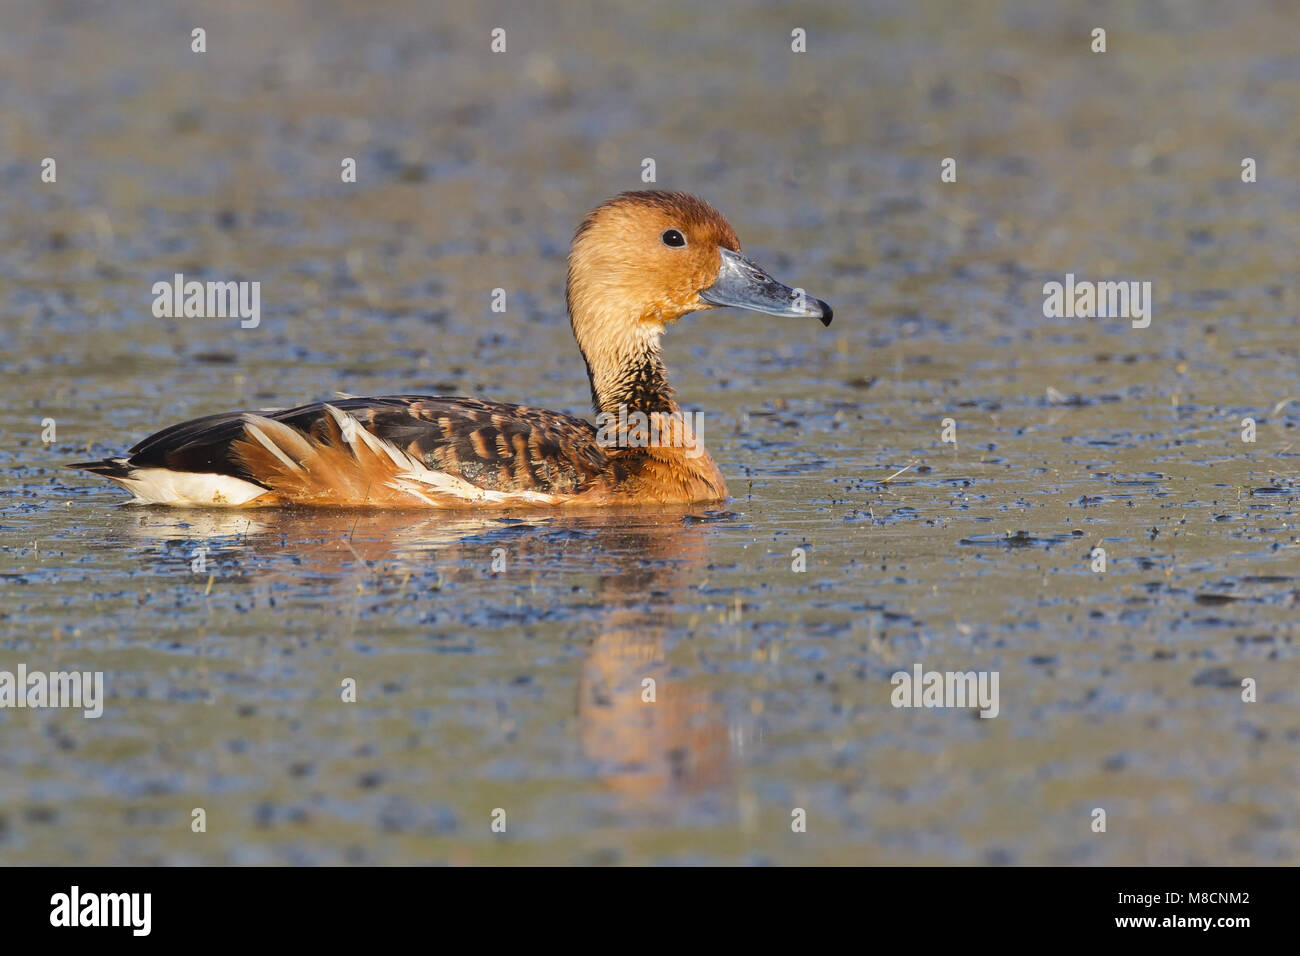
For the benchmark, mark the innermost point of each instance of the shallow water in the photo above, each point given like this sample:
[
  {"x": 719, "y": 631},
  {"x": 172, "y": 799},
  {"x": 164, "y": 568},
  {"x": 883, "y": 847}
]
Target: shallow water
[{"x": 520, "y": 688}]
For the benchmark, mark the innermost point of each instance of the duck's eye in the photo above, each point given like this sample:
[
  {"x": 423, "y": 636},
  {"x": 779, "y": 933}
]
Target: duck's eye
[{"x": 673, "y": 238}]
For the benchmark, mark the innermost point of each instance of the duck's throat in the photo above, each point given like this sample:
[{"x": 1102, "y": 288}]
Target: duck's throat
[{"x": 630, "y": 378}]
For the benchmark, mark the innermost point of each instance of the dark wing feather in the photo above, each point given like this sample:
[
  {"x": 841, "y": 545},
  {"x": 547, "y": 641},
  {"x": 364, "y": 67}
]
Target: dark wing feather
[{"x": 493, "y": 446}]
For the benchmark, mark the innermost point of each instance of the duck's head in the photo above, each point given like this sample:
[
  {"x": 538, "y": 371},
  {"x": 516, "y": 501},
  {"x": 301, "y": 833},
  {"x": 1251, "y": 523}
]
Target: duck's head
[
  {"x": 650, "y": 257},
  {"x": 643, "y": 260}
]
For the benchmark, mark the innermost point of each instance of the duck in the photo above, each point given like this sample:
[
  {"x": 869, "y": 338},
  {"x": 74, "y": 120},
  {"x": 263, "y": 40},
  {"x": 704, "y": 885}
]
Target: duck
[{"x": 638, "y": 263}]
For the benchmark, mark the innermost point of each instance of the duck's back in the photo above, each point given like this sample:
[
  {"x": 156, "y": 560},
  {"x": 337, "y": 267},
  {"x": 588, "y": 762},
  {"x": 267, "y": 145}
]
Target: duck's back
[{"x": 389, "y": 451}]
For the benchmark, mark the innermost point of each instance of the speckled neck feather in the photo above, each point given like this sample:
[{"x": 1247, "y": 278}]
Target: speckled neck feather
[{"x": 628, "y": 372}]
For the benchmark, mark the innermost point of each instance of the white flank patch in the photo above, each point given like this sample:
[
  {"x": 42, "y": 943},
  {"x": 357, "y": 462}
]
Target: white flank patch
[
  {"x": 162, "y": 486},
  {"x": 272, "y": 447},
  {"x": 418, "y": 482},
  {"x": 416, "y": 479}
]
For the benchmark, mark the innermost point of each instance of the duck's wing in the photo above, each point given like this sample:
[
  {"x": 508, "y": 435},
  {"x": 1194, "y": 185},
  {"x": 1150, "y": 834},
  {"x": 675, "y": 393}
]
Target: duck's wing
[{"x": 393, "y": 451}]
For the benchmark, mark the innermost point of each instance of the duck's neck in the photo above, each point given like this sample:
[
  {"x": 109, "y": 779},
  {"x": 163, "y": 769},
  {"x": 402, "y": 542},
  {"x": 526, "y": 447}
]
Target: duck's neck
[
  {"x": 627, "y": 376},
  {"x": 625, "y": 366}
]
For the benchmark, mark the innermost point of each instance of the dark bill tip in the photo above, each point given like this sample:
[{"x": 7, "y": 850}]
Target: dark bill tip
[{"x": 827, "y": 312}]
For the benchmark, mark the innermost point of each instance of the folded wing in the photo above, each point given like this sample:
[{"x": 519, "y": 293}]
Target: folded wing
[{"x": 389, "y": 451}]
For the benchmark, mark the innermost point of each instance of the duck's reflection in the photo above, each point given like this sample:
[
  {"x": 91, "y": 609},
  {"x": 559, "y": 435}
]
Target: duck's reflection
[
  {"x": 649, "y": 731},
  {"x": 646, "y": 730}
]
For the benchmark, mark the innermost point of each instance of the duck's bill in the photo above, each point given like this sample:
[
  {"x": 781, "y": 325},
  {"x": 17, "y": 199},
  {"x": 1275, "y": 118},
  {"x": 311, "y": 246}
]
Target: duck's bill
[{"x": 746, "y": 286}]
